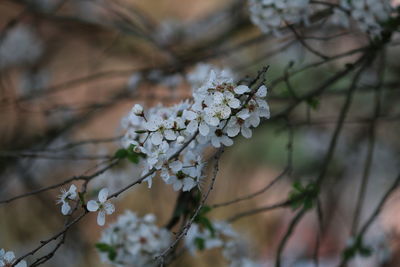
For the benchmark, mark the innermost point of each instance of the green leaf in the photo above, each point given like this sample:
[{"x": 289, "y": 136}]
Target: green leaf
[
  {"x": 297, "y": 185},
  {"x": 313, "y": 103},
  {"x": 365, "y": 251},
  {"x": 205, "y": 222},
  {"x": 106, "y": 248},
  {"x": 349, "y": 253},
  {"x": 81, "y": 196},
  {"x": 121, "y": 153},
  {"x": 200, "y": 243},
  {"x": 134, "y": 158},
  {"x": 205, "y": 210}
]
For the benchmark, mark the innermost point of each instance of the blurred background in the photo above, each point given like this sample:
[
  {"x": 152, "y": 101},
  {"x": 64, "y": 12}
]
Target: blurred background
[{"x": 70, "y": 70}]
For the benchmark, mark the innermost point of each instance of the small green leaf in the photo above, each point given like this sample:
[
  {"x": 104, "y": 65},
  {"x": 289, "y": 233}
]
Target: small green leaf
[
  {"x": 81, "y": 196},
  {"x": 204, "y": 221},
  {"x": 205, "y": 210},
  {"x": 110, "y": 250},
  {"x": 313, "y": 103},
  {"x": 365, "y": 251},
  {"x": 297, "y": 185},
  {"x": 200, "y": 243},
  {"x": 134, "y": 158},
  {"x": 121, "y": 153},
  {"x": 349, "y": 253}
]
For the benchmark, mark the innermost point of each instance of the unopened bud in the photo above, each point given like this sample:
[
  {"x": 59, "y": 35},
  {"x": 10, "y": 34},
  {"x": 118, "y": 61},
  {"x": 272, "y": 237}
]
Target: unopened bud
[
  {"x": 137, "y": 110},
  {"x": 180, "y": 139}
]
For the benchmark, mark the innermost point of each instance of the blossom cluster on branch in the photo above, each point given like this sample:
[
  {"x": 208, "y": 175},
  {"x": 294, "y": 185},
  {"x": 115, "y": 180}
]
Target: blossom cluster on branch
[
  {"x": 220, "y": 110},
  {"x": 133, "y": 239},
  {"x": 7, "y": 258},
  {"x": 270, "y": 15},
  {"x": 139, "y": 240},
  {"x": 367, "y": 15}
]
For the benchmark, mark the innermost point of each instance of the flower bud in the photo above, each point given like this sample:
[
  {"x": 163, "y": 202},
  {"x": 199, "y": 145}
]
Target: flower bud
[
  {"x": 137, "y": 110},
  {"x": 180, "y": 139}
]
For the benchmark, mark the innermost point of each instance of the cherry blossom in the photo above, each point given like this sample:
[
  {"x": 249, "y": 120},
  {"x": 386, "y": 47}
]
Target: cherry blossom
[
  {"x": 102, "y": 206},
  {"x": 7, "y": 259},
  {"x": 134, "y": 239},
  {"x": 65, "y": 198},
  {"x": 220, "y": 109}
]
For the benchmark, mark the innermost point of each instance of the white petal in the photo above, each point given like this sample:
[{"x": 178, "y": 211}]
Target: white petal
[
  {"x": 149, "y": 181},
  {"x": 65, "y": 208},
  {"x": 21, "y": 264},
  {"x": 204, "y": 129},
  {"x": 72, "y": 189},
  {"x": 92, "y": 205},
  {"x": 156, "y": 138},
  {"x": 226, "y": 140},
  {"x": 243, "y": 114},
  {"x": 213, "y": 121},
  {"x": 176, "y": 166},
  {"x": 103, "y": 194},
  {"x": 262, "y": 103},
  {"x": 170, "y": 135},
  {"x": 177, "y": 185},
  {"x": 188, "y": 184},
  {"x": 215, "y": 141},
  {"x": 233, "y": 131},
  {"x": 225, "y": 112},
  {"x": 262, "y": 91},
  {"x": 218, "y": 98},
  {"x": 189, "y": 115},
  {"x": 241, "y": 89},
  {"x": 246, "y": 132},
  {"x": 192, "y": 127},
  {"x": 264, "y": 113},
  {"x": 151, "y": 126},
  {"x": 254, "y": 121},
  {"x": 9, "y": 256},
  {"x": 234, "y": 103},
  {"x": 101, "y": 218},
  {"x": 109, "y": 208}
]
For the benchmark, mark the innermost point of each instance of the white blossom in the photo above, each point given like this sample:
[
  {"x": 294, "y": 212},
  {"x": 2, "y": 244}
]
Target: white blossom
[
  {"x": 220, "y": 109},
  {"x": 8, "y": 259},
  {"x": 182, "y": 180},
  {"x": 134, "y": 239},
  {"x": 218, "y": 137},
  {"x": 137, "y": 110},
  {"x": 20, "y": 45},
  {"x": 368, "y": 15},
  {"x": 65, "y": 198},
  {"x": 211, "y": 239},
  {"x": 237, "y": 124},
  {"x": 180, "y": 139},
  {"x": 102, "y": 206},
  {"x": 270, "y": 15}
]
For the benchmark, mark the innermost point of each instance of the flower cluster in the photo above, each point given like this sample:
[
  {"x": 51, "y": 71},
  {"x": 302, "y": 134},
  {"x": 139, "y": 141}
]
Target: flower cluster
[
  {"x": 132, "y": 239},
  {"x": 8, "y": 259},
  {"x": 199, "y": 237},
  {"x": 270, "y": 15},
  {"x": 20, "y": 45},
  {"x": 221, "y": 235},
  {"x": 368, "y": 14},
  {"x": 219, "y": 110}
]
